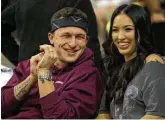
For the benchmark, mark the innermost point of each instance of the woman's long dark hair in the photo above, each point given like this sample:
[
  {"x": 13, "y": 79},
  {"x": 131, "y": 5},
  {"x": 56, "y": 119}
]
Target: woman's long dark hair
[{"x": 121, "y": 72}]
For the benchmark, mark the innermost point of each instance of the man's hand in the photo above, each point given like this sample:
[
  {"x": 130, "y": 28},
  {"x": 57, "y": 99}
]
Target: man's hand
[
  {"x": 34, "y": 63},
  {"x": 49, "y": 57}
]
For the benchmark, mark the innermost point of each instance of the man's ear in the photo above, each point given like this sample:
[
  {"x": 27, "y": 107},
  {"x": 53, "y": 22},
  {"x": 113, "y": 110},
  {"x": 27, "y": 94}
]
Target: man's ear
[
  {"x": 87, "y": 39},
  {"x": 50, "y": 37}
]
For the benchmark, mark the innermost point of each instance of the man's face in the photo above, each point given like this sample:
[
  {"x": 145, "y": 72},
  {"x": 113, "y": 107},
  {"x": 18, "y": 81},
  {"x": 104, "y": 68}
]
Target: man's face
[{"x": 69, "y": 43}]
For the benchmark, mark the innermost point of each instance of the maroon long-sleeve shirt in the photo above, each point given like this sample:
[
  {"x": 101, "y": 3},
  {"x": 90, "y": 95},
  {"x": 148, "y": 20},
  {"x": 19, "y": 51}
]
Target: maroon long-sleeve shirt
[{"x": 77, "y": 95}]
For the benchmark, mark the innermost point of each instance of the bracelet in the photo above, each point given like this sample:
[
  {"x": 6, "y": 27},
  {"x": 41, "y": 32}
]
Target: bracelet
[{"x": 46, "y": 76}]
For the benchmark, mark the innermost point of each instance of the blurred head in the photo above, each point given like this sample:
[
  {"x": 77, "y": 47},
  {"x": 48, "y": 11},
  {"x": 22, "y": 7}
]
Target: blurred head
[
  {"x": 69, "y": 33},
  {"x": 130, "y": 30}
]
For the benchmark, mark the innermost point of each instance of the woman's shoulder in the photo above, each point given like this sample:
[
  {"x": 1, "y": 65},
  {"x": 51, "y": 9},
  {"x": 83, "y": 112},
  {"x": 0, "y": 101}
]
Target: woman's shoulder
[
  {"x": 154, "y": 58},
  {"x": 153, "y": 69},
  {"x": 154, "y": 66}
]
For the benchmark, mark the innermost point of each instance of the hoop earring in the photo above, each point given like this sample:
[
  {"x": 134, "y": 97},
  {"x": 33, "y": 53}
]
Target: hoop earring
[{"x": 138, "y": 40}]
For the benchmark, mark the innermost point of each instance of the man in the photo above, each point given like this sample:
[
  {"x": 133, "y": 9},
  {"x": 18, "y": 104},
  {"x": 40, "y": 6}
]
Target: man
[
  {"x": 30, "y": 19},
  {"x": 59, "y": 82}
]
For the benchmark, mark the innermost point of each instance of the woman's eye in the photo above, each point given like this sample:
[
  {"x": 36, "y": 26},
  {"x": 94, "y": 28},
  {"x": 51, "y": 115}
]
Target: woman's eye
[
  {"x": 114, "y": 30},
  {"x": 128, "y": 29}
]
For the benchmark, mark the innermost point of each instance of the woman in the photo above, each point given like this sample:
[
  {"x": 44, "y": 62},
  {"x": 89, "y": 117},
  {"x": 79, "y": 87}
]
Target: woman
[{"x": 137, "y": 75}]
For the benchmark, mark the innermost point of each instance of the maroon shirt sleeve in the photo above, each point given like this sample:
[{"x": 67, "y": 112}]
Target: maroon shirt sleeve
[
  {"x": 8, "y": 101},
  {"x": 79, "y": 99}
]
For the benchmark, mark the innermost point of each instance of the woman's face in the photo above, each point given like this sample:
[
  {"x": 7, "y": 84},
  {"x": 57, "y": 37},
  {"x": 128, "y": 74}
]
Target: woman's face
[{"x": 123, "y": 35}]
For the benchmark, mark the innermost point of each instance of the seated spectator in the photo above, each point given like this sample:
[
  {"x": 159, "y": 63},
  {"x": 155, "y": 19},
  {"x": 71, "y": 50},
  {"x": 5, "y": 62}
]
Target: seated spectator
[
  {"x": 135, "y": 88},
  {"x": 61, "y": 81}
]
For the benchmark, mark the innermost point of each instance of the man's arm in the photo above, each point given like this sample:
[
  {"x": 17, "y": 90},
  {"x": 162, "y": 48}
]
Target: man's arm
[
  {"x": 16, "y": 89},
  {"x": 45, "y": 83},
  {"x": 24, "y": 87},
  {"x": 44, "y": 65},
  {"x": 12, "y": 95}
]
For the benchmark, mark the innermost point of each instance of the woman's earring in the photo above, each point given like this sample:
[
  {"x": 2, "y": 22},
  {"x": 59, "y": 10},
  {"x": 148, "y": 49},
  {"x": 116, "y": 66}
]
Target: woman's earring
[{"x": 138, "y": 40}]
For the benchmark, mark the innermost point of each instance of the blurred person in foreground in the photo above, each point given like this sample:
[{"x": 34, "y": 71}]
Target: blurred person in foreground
[
  {"x": 135, "y": 87},
  {"x": 61, "y": 81}
]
